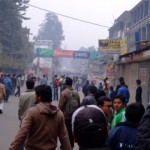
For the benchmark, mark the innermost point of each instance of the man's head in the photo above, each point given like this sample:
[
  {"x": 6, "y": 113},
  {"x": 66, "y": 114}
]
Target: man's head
[
  {"x": 92, "y": 89},
  {"x": 121, "y": 79},
  {"x": 105, "y": 103},
  {"x": 68, "y": 81},
  {"x": 134, "y": 112},
  {"x": 111, "y": 88},
  {"x": 8, "y": 75},
  {"x": 43, "y": 93},
  {"x": 119, "y": 102},
  {"x": 34, "y": 78},
  {"x": 89, "y": 126},
  {"x": 138, "y": 82},
  {"x": 99, "y": 93},
  {"x": 30, "y": 84}
]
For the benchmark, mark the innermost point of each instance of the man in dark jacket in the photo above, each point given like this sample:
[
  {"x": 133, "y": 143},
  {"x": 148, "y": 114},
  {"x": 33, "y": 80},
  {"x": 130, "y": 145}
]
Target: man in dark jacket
[
  {"x": 123, "y": 137},
  {"x": 90, "y": 98},
  {"x": 122, "y": 82},
  {"x": 85, "y": 88},
  {"x": 138, "y": 95}
]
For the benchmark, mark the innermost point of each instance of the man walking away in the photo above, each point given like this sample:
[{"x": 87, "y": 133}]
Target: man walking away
[
  {"x": 138, "y": 95},
  {"x": 42, "y": 125},
  {"x": 68, "y": 103},
  {"x": 13, "y": 79},
  {"x": 8, "y": 87},
  {"x": 18, "y": 86},
  {"x": 90, "y": 98},
  {"x": 124, "y": 91},
  {"x": 56, "y": 85},
  {"x": 121, "y": 82},
  {"x": 2, "y": 95},
  {"x": 44, "y": 80},
  {"x": 27, "y": 100}
]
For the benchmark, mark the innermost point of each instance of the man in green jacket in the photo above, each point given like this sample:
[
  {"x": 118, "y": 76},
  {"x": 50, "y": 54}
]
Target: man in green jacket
[{"x": 119, "y": 104}]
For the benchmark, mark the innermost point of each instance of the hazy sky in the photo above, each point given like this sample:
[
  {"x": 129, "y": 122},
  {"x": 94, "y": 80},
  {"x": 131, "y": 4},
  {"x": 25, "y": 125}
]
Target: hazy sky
[{"x": 78, "y": 34}]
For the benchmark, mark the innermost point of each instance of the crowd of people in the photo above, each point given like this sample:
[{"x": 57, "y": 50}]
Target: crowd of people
[{"x": 104, "y": 119}]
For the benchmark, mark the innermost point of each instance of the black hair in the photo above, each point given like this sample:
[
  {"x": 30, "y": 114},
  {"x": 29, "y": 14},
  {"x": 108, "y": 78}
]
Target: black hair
[
  {"x": 121, "y": 79},
  {"x": 134, "y": 112},
  {"x": 102, "y": 99},
  {"x": 111, "y": 88},
  {"x": 122, "y": 98},
  {"x": 30, "y": 84},
  {"x": 99, "y": 93},
  {"x": 92, "y": 89},
  {"x": 138, "y": 81},
  {"x": 45, "y": 92},
  {"x": 68, "y": 81}
]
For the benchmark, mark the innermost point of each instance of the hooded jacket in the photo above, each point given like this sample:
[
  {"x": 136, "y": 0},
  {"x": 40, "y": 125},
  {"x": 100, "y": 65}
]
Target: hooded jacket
[{"x": 41, "y": 127}]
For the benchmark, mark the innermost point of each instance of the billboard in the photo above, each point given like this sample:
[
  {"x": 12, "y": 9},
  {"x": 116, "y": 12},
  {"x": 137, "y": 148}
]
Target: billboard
[
  {"x": 81, "y": 54},
  {"x": 113, "y": 46},
  {"x": 63, "y": 53},
  {"x": 109, "y": 44},
  {"x": 44, "y": 52}
]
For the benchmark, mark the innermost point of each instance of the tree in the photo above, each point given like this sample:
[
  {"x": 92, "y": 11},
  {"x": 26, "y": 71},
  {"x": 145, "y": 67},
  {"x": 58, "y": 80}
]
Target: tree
[
  {"x": 89, "y": 49},
  {"x": 51, "y": 29},
  {"x": 13, "y": 37}
]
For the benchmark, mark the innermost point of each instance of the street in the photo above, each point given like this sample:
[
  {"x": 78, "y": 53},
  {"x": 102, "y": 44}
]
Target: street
[{"x": 10, "y": 123}]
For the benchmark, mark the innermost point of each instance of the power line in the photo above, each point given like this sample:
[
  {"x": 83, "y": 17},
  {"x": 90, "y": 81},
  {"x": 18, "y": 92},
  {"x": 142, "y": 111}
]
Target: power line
[{"x": 67, "y": 16}]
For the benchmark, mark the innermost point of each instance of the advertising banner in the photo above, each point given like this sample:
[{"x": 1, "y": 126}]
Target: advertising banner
[
  {"x": 63, "y": 53},
  {"x": 81, "y": 54},
  {"x": 113, "y": 46},
  {"x": 45, "y": 52},
  {"x": 109, "y": 44},
  {"x": 110, "y": 71}
]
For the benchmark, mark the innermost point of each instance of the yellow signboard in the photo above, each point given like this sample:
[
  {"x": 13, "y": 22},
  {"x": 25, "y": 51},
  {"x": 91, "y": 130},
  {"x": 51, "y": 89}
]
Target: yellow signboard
[{"x": 113, "y": 45}]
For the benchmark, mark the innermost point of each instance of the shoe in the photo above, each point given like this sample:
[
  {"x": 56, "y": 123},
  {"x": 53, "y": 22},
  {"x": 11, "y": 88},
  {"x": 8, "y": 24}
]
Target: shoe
[{"x": 1, "y": 111}]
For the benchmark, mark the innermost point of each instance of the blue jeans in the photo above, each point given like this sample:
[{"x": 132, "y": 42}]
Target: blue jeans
[{"x": 55, "y": 93}]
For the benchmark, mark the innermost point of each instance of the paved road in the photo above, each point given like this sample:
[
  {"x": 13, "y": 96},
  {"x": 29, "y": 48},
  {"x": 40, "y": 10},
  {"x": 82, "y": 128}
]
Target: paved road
[{"x": 9, "y": 123}]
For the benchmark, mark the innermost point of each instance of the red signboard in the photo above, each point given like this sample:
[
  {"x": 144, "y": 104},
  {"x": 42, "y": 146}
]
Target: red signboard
[{"x": 63, "y": 53}]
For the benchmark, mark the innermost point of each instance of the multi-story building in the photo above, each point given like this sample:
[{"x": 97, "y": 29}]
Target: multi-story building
[{"x": 135, "y": 64}]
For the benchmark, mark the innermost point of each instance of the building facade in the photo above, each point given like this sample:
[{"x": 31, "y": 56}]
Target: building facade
[{"x": 135, "y": 64}]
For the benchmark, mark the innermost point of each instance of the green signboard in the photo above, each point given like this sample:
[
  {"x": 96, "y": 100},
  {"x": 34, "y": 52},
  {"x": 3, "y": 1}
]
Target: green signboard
[
  {"x": 45, "y": 52},
  {"x": 95, "y": 55}
]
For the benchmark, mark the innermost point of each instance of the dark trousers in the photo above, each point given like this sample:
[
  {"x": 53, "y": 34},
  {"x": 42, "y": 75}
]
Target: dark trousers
[
  {"x": 7, "y": 95},
  {"x": 18, "y": 91},
  {"x": 69, "y": 129}
]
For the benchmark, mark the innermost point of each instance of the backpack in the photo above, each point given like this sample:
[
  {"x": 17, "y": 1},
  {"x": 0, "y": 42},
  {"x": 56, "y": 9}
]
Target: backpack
[{"x": 72, "y": 103}]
